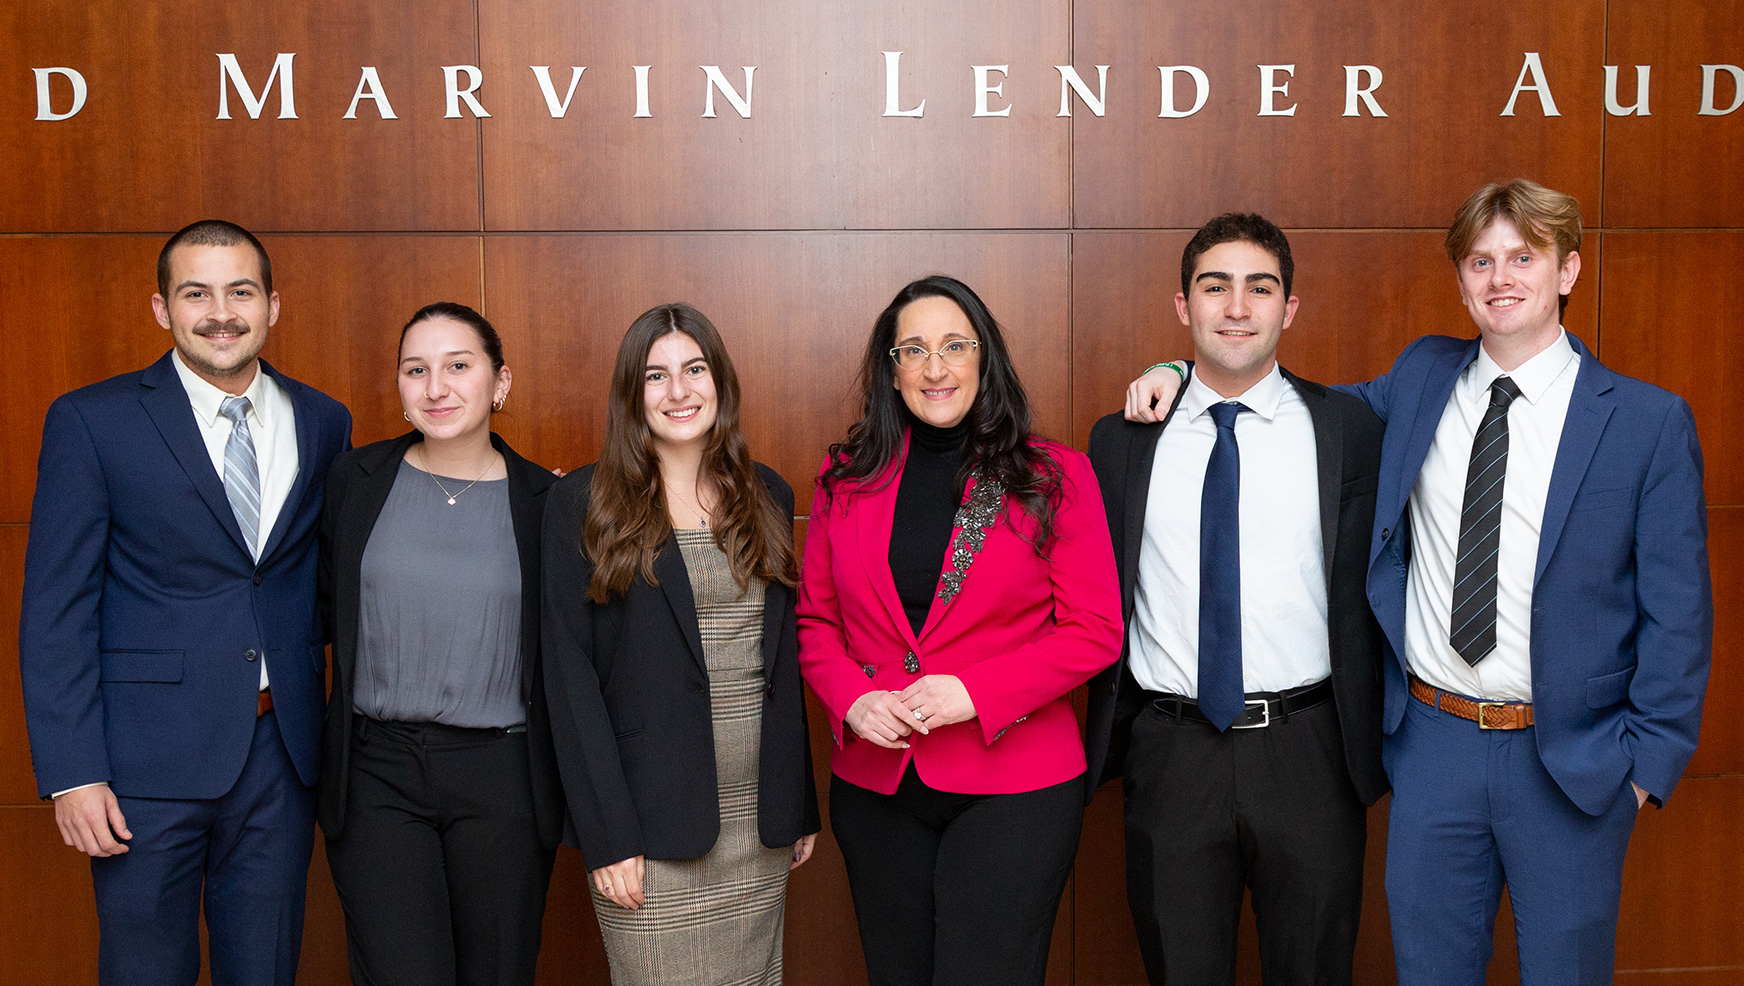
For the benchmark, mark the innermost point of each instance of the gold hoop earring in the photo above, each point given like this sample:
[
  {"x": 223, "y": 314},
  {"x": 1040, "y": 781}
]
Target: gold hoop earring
[
  {"x": 497, "y": 405},
  {"x": 406, "y": 414}
]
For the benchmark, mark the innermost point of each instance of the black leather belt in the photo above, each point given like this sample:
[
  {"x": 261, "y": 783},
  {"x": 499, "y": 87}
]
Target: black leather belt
[{"x": 1263, "y": 708}]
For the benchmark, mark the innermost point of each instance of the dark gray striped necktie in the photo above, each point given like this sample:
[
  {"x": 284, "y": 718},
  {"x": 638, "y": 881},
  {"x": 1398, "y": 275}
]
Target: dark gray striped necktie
[
  {"x": 1473, "y": 627},
  {"x": 242, "y": 471}
]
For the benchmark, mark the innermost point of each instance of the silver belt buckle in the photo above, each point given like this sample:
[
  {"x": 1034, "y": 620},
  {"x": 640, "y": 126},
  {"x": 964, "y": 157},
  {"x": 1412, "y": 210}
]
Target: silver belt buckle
[{"x": 1265, "y": 707}]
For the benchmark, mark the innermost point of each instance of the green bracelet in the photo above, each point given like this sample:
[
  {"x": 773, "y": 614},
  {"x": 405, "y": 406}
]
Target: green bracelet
[{"x": 1171, "y": 365}]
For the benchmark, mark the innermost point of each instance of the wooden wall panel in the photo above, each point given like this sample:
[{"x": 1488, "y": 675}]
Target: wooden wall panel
[
  {"x": 816, "y": 151},
  {"x": 343, "y": 302},
  {"x": 1446, "y": 76},
  {"x": 1661, "y": 327},
  {"x": 1660, "y": 169},
  {"x": 792, "y": 229},
  {"x": 345, "y": 299},
  {"x": 1680, "y": 885},
  {"x": 1365, "y": 296},
  {"x": 17, "y": 782},
  {"x": 98, "y": 324},
  {"x": 147, "y": 152},
  {"x": 795, "y": 310},
  {"x": 49, "y": 912}
]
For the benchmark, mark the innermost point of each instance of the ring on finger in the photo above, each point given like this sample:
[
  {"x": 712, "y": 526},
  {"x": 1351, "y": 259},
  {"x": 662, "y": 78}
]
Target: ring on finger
[{"x": 918, "y": 717}]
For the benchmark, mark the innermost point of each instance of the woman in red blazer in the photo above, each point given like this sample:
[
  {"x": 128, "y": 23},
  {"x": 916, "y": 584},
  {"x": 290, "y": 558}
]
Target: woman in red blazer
[{"x": 958, "y": 583}]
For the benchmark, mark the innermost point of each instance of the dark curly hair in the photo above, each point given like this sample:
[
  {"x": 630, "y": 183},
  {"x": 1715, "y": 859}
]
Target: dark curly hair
[{"x": 999, "y": 445}]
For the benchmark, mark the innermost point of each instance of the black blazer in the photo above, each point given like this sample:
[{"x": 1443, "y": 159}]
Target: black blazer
[
  {"x": 630, "y": 710},
  {"x": 1347, "y": 438},
  {"x": 357, "y": 487}
]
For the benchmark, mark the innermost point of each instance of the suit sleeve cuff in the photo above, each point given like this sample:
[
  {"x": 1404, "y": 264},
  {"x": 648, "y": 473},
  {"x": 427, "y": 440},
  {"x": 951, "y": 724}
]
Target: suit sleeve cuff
[{"x": 81, "y": 787}]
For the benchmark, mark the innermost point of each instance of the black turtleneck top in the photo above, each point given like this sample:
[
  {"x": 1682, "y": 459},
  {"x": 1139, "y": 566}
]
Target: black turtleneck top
[{"x": 926, "y": 503}]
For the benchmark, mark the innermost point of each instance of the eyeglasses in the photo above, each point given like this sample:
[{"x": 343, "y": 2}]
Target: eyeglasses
[{"x": 957, "y": 352}]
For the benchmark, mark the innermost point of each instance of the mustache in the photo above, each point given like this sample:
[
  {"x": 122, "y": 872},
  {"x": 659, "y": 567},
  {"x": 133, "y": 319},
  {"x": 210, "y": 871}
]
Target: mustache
[{"x": 211, "y": 326}]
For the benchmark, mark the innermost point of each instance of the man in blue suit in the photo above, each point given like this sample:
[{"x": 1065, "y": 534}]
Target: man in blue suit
[
  {"x": 1539, "y": 569},
  {"x": 171, "y": 651}
]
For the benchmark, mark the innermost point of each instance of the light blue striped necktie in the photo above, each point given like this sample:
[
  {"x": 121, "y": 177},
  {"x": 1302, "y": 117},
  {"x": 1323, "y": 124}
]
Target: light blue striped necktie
[{"x": 242, "y": 471}]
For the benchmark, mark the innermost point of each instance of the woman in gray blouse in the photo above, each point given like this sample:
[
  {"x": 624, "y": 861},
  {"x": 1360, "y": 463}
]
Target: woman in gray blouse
[{"x": 438, "y": 791}]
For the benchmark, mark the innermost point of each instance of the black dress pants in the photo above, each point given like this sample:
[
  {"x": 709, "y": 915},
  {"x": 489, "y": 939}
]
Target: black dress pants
[
  {"x": 956, "y": 889},
  {"x": 439, "y": 867},
  {"x": 1270, "y": 808}
]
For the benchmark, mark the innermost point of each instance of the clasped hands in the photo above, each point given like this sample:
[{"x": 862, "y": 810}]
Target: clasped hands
[{"x": 887, "y": 717}]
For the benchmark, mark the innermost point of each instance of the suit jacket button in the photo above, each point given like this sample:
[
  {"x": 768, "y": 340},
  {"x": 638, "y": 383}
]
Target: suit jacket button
[
  {"x": 258, "y": 580},
  {"x": 1386, "y": 532},
  {"x": 250, "y": 654},
  {"x": 911, "y": 664}
]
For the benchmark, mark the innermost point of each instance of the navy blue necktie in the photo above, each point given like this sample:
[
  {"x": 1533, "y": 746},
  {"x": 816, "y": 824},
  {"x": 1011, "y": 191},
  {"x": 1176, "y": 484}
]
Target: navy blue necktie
[{"x": 1220, "y": 691}]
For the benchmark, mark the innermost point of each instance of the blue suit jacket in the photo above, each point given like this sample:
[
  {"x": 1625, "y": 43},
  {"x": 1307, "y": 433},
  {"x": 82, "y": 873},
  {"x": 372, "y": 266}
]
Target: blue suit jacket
[
  {"x": 142, "y": 605},
  {"x": 1622, "y": 608}
]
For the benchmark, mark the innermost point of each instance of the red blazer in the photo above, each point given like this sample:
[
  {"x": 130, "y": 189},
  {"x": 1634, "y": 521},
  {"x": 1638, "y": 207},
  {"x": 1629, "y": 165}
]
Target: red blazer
[{"x": 1022, "y": 632}]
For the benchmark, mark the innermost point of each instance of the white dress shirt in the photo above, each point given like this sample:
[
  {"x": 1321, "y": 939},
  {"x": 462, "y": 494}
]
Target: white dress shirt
[
  {"x": 272, "y": 423},
  {"x": 1283, "y": 569},
  {"x": 1535, "y": 419}
]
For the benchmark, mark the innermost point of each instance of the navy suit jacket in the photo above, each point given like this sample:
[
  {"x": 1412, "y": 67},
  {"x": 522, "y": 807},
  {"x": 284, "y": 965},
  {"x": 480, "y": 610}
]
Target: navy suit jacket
[
  {"x": 1622, "y": 608},
  {"x": 144, "y": 615}
]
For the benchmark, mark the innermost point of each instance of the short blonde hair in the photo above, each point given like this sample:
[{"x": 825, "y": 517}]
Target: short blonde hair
[{"x": 1545, "y": 217}]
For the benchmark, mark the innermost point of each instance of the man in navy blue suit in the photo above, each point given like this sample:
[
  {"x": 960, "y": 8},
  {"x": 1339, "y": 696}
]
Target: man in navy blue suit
[
  {"x": 1539, "y": 569},
  {"x": 171, "y": 651}
]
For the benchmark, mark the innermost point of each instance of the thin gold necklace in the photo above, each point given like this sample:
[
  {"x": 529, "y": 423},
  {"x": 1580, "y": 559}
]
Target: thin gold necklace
[
  {"x": 451, "y": 496},
  {"x": 700, "y": 512}
]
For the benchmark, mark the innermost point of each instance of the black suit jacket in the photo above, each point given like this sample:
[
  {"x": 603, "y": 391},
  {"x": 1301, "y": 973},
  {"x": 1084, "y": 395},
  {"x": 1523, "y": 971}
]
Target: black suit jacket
[
  {"x": 1347, "y": 438},
  {"x": 357, "y": 487},
  {"x": 630, "y": 709}
]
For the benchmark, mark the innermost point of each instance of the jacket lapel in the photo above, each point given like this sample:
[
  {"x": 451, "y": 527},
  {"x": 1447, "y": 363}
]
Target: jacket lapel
[
  {"x": 1141, "y": 457},
  {"x": 874, "y": 513},
  {"x": 1432, "y": 397},
  {"x": 166, "y": 402},
  {"x": 940, "y": 603},
  {"x": 1588, "y": 412},
  {"x": 675, "y": 583},
  {"x": 1329, "y": 461},
  {"x": 307, "y": 442},
  {"x": 527, "y": 486},
  {"x": 362, "y": 509}
]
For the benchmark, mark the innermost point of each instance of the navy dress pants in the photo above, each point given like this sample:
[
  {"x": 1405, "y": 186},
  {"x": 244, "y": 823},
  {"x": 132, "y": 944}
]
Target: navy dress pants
[
  {"x": 244, "y": 855},
  {"x": 1475, "y": 811}
]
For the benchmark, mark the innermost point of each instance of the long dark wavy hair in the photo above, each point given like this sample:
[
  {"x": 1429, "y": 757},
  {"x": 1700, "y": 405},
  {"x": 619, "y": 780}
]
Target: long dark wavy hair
[
  {"x": 627, "y": 523},
  {"x": 999, "y": 444}
]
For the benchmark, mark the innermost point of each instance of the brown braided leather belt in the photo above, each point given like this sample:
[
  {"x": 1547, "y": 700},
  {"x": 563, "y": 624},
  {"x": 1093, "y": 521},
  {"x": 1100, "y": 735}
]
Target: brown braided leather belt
[{"x": 1488, "y": 715}]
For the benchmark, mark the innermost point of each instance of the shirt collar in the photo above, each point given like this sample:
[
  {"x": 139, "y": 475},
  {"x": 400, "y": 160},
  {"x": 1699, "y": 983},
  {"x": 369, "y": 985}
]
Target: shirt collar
[
  {"x": 1533, "y": 377},
  {"x": 1262, "y": 398},
  {"x": 207, "y": 399}
]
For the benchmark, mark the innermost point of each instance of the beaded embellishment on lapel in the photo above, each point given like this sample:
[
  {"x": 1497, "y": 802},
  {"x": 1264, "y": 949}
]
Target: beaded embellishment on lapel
[{"x": 974, "y": 519}]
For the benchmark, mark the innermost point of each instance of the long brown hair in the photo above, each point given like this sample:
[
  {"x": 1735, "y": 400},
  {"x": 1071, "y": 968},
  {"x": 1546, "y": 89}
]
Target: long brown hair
[{"x": 627, "y": 523}]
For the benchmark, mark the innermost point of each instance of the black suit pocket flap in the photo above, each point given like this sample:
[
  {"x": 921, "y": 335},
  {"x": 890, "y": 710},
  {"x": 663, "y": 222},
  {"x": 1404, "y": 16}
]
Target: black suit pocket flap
[
  {"x": 1360, "y": 486},
  {"x": 142, "y": 665},
  {"x": 1611, "y": 689}
]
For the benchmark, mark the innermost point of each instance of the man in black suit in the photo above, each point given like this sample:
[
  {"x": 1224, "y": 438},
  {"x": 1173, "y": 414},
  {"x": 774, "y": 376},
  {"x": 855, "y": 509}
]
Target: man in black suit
[{"x": 1244, "y": 713}]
